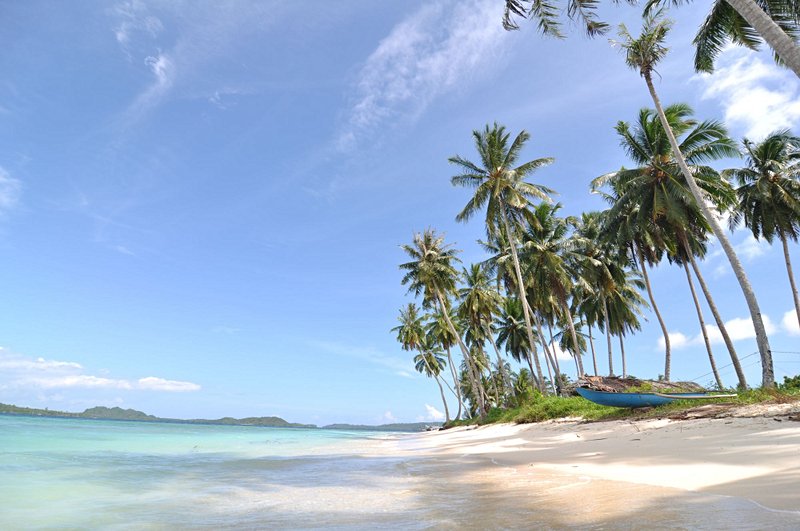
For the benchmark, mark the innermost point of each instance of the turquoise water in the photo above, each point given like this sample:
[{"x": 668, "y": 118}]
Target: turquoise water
[{"x": 75, "y": 473}]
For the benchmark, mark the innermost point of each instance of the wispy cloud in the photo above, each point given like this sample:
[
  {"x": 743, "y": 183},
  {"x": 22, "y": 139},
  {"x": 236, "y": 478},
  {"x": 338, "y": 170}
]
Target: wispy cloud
[
  {"x": 24, "y": 372},
  {"x": 10, "y": 190},
  {"x": 789, "y": 323},
  {"x": 368, "y": 354},
  {"x": 757, "y": 96},
  {"x": 443, "y": 46},
  {"x": 431, "y": 414}
]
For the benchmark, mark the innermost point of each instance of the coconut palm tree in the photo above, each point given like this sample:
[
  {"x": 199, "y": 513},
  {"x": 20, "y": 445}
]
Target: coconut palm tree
[
  {"x": 410, "y": 331},
  {"x": 547, "y": 254},
  {"x": 500, "y": 187},
  {"x": 652, "y": 204},
  {"x": 769, "y": 193},
  {"x": 431, "y": 363},
  {"x": 432, "y": 274},
  {"x": 744, "y": 22},
  {"x": 643, "y": 54},
  {"x": 511, "y": 334},
  {"x": 437, "y": 331}
]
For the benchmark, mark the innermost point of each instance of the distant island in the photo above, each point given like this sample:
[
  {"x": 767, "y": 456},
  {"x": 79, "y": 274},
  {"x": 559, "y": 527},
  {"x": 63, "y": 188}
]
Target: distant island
[{"x": 117, "y": 413}]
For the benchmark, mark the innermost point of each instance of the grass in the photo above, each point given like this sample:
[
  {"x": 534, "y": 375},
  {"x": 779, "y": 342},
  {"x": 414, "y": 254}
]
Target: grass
[{"x": 541, "y": 408}]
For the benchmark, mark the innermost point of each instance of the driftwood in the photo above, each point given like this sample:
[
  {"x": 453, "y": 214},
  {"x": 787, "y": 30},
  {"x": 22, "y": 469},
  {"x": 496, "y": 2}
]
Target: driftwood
[{"x": 614, "y": 384}]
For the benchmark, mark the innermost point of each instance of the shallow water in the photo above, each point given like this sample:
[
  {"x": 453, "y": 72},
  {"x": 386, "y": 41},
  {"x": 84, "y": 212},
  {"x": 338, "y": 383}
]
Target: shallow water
[{"x": 69, "y": 473}]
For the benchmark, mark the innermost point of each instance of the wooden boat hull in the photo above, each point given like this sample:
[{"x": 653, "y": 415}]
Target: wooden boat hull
[{"x": 635, "y": 400}]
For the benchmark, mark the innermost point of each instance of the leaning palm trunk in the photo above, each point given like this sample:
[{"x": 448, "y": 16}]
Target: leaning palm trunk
[
  {"x": 791, "y": 277},
  {"x": 608, "y": 338},
  {"x": 624, "y": 362},
  {"x": 778, "y": 40},
  {"x": 594, "y": 355},
  {"x": 702, "y": 326},
  {"x": 720, "y": 323},
  {"x": 578, "y": 360},
  {"x": 554, "y": 356},
  {"x": 500, "y": 365},
  {"x": 444, "y": 401},
  {"x": 512, "y": 242},
  {"x": 477, "y": 387},
  {"x": 464, "y": 351},
  {"x": 456, "y": 384},
  {"x": 553, "y": 383},
  {"x": 767, "y": 370},
  {"x": 667, "y": 346}
]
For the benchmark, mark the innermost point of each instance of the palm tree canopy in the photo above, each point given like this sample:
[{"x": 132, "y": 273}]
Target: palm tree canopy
[
  {"x": 431, "y": 271},
  {"x": 547, "y": 15},
  {"x": 479, "y": 300},
  {"x": 769, "y": 187},
  {"x": 510, "y": 325},
  {"x": 430, "y": 360},
  {"x": 643, "y": 53},
  {"x": 497, "y": 180},
  {"x": 410, "y": 332}
]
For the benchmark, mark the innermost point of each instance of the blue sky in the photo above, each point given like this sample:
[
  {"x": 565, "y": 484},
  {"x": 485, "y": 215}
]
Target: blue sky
[{"x": 201, "y": 203}]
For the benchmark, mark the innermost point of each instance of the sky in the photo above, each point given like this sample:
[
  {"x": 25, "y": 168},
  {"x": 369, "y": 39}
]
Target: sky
[{"x": 202, "y": 203}]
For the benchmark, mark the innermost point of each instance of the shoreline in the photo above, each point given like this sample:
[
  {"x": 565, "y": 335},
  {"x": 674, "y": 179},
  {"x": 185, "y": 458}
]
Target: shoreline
[{"x": 741, "y": 470}]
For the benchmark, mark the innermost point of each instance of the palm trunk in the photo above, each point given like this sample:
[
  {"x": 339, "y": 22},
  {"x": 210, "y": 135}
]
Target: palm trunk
[
  {"x": 783, "y": 45},
  {"x": 477, "y": 386},
  {"x": 500, "y": 365},
  {"x": 720, "y": 323},
  {"x": 441, "y": 391},
  {"x": 556, "y": 365},
  {"x": 667, "y": 345},
  {"x": 767, "y": 369},
  {"x": 624, "y": 362},
  {"x": 703, "y": 326},
  {"x": 547, "y": 356},
  {"x": 791, "y": 277},
  {"x": 464, "y": 351},
  {"x": 456, "y": 383},
  {"x": 578, "y": 360},
  {"x": 594, "y": 355},
  {"x": 608, "y": 338},
  {"x": 534, "y": 383},
  {"x": 512, "y": 242}
]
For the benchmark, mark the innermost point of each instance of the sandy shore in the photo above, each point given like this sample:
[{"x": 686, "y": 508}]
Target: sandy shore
[{"x": 741, "y": 471}]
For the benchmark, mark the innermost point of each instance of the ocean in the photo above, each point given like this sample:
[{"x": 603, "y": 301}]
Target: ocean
[{"x": 89, "y": 474}]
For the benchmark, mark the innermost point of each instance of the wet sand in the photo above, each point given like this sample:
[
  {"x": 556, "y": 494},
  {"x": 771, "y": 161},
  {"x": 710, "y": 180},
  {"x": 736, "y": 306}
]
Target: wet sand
[{"x": 726, "y": 473}]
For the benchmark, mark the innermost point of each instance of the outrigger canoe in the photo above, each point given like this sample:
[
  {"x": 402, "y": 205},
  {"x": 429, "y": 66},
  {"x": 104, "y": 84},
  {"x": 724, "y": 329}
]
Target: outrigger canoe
[{"x": 634, "y": 400}]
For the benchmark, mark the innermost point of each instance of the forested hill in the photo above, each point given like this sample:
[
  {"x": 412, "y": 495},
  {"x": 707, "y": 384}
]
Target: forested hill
[{"x": 117, "y": 413}]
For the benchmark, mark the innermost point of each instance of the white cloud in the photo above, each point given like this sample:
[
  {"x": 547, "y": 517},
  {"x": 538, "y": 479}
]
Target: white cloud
[
  {"x": 757, "y": 96},
  {"x": 17, "y": 371},
  {"x": 438, "y": 49},
  {"x": 676, "y": 340},
  {"x": 432, "y": 414},
  {"x": 134, "y": 18},
  {"x": 388, "y": 417},
  {"x": 164, "y": 71},
  {"x": 750, "y": 248},
  {"x": 789, "y": 323},
  {"x": 10, "y": 190},
  {"x": 560, "y": 354},
  {"x": 153, "y": 383}
]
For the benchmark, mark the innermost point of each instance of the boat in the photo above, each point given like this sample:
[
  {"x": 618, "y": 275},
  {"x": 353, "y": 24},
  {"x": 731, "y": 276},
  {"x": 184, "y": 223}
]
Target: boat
[{"x": 635, "y": 400}]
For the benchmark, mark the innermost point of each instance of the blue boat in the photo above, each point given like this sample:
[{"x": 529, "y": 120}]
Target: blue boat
[{"x": 634, "y": 400}]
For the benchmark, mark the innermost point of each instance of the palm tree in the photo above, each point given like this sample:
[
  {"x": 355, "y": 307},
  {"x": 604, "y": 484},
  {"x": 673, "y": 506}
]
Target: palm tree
[
  {"x": 744, "y": 22},
  {"x": 479, "y": 304},
  {"x": 643, "y": 54},
  {"x": 769, "y": 193},
  {"x": 410, "y": 332},
  {"x": 500, "y": 187},
  {"x": 430, "y": 362},
  {"x": 652, "y": 204},
  {"x": 547, "y": 254},
  {"x": 432, "y": 274},
  {"x": 438, "y": 332},
  {"x": 511, "y": 334}
]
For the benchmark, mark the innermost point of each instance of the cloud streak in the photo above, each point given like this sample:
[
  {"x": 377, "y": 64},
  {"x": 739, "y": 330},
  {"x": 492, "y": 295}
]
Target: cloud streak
[
  {"x": 739, "y": 328},
  {"x": 367, "y": 354},
  {"x": 443, "y": 46},
  {"x": 10, "y": 190}
]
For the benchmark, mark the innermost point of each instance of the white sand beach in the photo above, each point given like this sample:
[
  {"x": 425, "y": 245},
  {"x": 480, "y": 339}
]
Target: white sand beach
[{"x": 739, "y": 471}]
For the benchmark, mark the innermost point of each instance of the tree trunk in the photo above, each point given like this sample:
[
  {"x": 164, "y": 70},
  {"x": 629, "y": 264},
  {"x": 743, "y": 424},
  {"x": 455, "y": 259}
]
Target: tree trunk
[
  {"x": 463, "y": 347},
  {"x": 791, "y": 277},
  {"x": 594, "y": 355},
  {"x": 775, "y": 37},
  {"x": 703, "y": 326},
  {"x": 667, "y": 345},
  {"x": 444, "y": 401},
  {"x": 512, "y": 242},
  {"x": 624, "y": 362},
  {"x": 767, "y": 369},
  {"x": 608, "y": 338},
  {"x": 556, "y": 365},
  {"x": 717, "y": 317},
  {"x": 456, "y": 384},
  {"x": 578, "y": 353},
  {"x": 528, "y": 356},
  {"x": 547, "y": 356},
  {"x": 500, "y": 365}
]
